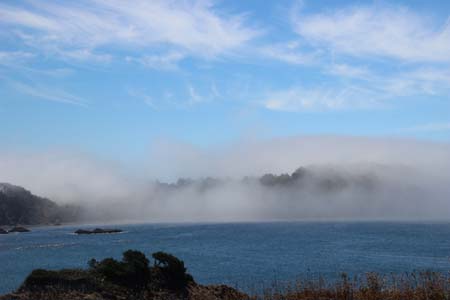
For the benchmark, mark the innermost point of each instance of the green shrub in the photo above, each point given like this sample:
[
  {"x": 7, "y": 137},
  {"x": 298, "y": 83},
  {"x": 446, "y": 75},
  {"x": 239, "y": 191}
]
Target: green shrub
[
  {"x": 136, "y": 268},
  {"x": 170, "y": 272},
  {"x": 64, "y": 279},
  {"x": 132, "y": 272},
  {"x": 112, "y": 270}
]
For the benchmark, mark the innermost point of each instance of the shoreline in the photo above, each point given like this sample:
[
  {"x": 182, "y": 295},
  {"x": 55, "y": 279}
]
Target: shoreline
[
  {"x": 279, "y": 248},
  {"x": 135, "y": 278},
  {"x": 189, "y": 223}
]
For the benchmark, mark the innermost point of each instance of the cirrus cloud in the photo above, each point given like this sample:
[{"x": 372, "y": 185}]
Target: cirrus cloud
[
  {"x": 384, "y": 31},
  {"x": 86, "y": 29}
]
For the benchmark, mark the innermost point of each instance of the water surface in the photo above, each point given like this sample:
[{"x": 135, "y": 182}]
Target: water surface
[{"x": 245, "y": 255}]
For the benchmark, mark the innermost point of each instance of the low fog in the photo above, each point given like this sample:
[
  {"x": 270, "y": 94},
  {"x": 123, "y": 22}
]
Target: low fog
[{"x": 294, "y": 178}]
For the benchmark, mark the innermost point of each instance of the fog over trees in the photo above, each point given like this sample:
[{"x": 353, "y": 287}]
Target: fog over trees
[{"x": 284, "y": 179}]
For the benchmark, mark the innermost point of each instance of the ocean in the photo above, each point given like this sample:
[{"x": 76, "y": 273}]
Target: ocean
[{"x": 243, "y": 255}]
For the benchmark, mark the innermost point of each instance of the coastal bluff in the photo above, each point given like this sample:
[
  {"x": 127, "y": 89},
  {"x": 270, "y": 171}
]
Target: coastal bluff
[{"x": 20, "y": 206}]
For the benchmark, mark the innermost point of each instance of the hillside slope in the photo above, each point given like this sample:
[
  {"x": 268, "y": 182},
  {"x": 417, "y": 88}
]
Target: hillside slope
[{"x": 20, "y": 206}]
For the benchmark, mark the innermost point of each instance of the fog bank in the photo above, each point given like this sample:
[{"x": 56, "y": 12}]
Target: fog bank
[{"x": 340, "y": 178}]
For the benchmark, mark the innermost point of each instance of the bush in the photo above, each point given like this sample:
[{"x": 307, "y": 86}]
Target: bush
[
  {"x": 64, "y": 279},
  {"x": 112, "y": 270},
  {"x": 136, "y": 268},
  {"x": 170, "y": 272},
  {"x": 132, "y": 272}
]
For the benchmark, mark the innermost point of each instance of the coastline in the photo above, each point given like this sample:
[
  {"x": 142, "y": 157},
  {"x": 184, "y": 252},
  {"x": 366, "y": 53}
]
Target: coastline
[
  {"x": 243, "y": 255},
  {"x": 134, "y": 278}
]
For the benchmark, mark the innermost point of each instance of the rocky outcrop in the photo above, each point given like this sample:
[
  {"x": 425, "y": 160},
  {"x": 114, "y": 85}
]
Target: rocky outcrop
[
  {"x": 18, "y": 229},
  {"x": 130, "y": 279},
  {"x": 98, "y": 231},
  {"x": 198, "y": 292}
]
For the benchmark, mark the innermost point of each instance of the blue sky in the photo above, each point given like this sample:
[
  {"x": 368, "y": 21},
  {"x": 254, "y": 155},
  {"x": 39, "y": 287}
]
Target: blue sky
[{"x": 111, "y": 78}]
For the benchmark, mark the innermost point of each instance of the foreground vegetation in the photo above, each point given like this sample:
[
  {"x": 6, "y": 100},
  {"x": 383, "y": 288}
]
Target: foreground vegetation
[
  {"x": 134, "y": 278},
  {"x": 370, "y": 286},
  {"x": 129, "y": 279}
]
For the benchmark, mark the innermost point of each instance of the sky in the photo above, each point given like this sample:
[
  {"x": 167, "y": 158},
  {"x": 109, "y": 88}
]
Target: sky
[{"x": 115, "y": 78}]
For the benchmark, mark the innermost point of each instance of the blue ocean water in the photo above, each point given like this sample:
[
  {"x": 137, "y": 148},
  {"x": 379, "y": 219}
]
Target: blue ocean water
[{"x": 243, "y": 255}]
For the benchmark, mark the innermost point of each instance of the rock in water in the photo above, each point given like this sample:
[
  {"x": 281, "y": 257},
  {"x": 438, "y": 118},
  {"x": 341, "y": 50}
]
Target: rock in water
[
  {"x": 19, "y": 229},
  {"x": 97, "y": 231},
  {"x": 3, "y": 231}
]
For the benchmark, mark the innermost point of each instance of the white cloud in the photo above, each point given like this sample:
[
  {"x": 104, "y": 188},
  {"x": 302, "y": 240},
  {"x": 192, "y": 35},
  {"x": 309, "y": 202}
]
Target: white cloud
[
  {"x": 346, "y": 70},
  {"x": 348, "y": 43},
  {"x": 167, "y": 61},
  {"x": 50, "y": 94},
  {"x": 382, "y": 31},
  {"x": 161, "y": 34},
  {"x": 289, "y": 52},
  {"x": 11, "y": 58},
  {"x": 438, "y": 75},
  {"x": 419, "y": 81},
  {"x": 190, "y": 97},
  {"x": 142, "y": 95},
  {"x": 215, "y": 91},
  {"x": 84, "y": 29},
  {"x": 429, "y": 127},
  {"x": 194, "y": 96},
  {"x": 364, "y": 89},
  {"x": 297, "y": 99}
]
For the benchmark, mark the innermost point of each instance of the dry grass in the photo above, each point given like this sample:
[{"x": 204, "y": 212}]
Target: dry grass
[{"x": 371, "y": 286}]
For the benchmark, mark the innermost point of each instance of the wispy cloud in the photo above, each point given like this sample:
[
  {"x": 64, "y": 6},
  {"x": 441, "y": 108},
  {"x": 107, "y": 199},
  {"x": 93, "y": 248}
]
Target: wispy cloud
[
  {"x": 365, "y": 89},
  {"x": 346, "y": 70},
  {"x": 189, "y": 97},
  {"x": 140, "y": 94},
  {"x": 429, "y": 127},
  {"x": 298, "y": 99},
  {"x": 167, "y": 61},
  {"x": 194, "y": 96},
  {"x": 378, "y": 30},
  {"x": 84, "y": 29},
  {"x": 354, "y": 48},
  {"x": 18, "y": 62},
  {"x": 47, "y": 93},
  {"x": 290, "y": 52},
  {"x": 419, "y": 81},
  {"x": 204, "y": 94},
  {"x": 11, "y": 58}
]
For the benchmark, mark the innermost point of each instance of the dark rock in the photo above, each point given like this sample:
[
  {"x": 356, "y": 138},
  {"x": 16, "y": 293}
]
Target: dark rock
[
  {"x": 19, "y": 229},
  {"x": 3, "y": 231},
  {"x": 97, "y": 231}
]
